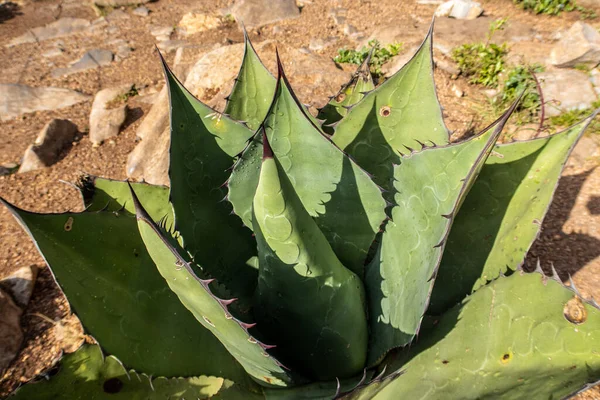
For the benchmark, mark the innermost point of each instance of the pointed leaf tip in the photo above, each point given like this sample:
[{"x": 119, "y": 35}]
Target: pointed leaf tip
[{"x": 140, "y": 212}]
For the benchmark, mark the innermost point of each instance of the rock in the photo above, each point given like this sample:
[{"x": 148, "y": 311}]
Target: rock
[
  {"x": 211, "y": 79},
  {"x": 158, "y": 31},
  {"x": 48, "y": 145},
  {"x": 255, "y": 13},
  {"x": 11, "y": 335},
  {"x": 20, "y": 284},
  {"x": 124, "y": 50},
  {"x": 16, "y": 99},
  {"x": 108, "y": 113},
  {"x": 196, "y": 22},
  {"x": 92, "y": 59},
  {"x": 447, "y": 65},
  {"x": 579, "y": 45},
  {"x": 320, "y": 44},
  {"x": 350, "y": 30},
  {"x": 117, "y": 15},
  {"x": 459, "y": 9},
  {"x": 60, "y": 28},
  {"x": 54, "y": 52},
  {"x": 565, "y": 90},
  {"x": 397, "y": 62},
  {"x": 8, "y": 168},
  {"x": 457, "y": 91},
  {"x": 168, "y": 46},
  {"x": 141, "y": 11},
  {"x": 120, "y": 3},
  {"x": 338, "y": 15}
]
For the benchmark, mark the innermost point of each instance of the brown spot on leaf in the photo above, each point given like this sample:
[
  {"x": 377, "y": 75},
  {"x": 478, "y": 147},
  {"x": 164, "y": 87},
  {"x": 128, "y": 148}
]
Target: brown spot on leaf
[
  {"x": 385, "y": 111},
  {"x": 574, "y": 311}
]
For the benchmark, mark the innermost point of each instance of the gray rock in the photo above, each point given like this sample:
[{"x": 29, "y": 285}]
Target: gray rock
[
  {"x": 20, "y": 284},
  {"x": 168, "y": 46},
  {"x": 459, "y": 9},
  {"x": 18, "y": 99},
  {"x": 108, "y": 113},
  {"x": 447, "y": 65},
  {"x": 51, "y": 53},
  {"x": 119, "y": 3},
  {"x": 60, "y": 28},
  {"x": 161, "y": 31},
  {"x": 350, "y": 30},
  {"x": 254, "y": 13},
  {"x": 338, "y": 15},
  {"x": 320, "y": 44},
  {"x": 579, "y": 45},
  {"x": 116, "y": 15},
  {"x": 92, "y": 59},
  {"x": 141, "y": 11},
  {"x": 48, "y": 145},
  {"x": 311, "y": 75},
  {"x": 565, "y": 90},
  {"x": 11, "y": 335}
]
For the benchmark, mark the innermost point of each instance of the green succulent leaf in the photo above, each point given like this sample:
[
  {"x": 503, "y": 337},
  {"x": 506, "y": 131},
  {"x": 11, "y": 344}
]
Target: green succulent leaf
[
  {"x": 520, "y": 337},
  {"x": 101, "y": 194},
  {"x": 253, "y": 90},
  {"x": 398, "y": 114},
  {"x": 345, "y": 203},
  {"x": 86, "y": 374},
  {"x": 211, "y": 311},
  {"x": 100, "y": 262},
  {"x": 502, "y": 215},
  {"x": 350, "y": 94},
  {"x": 309, "y": 304},
  {"x": 203, "y": 147},
  {"x": 429, "y": 188}
]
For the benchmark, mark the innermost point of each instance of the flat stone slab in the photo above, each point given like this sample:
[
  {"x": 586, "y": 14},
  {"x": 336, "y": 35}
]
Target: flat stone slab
[
  {"x": 254, "y": 13},
  {"x": 60, "y": 28},
  {"x": 16, "y": 99},
  {"x": 90, "y": 60}
]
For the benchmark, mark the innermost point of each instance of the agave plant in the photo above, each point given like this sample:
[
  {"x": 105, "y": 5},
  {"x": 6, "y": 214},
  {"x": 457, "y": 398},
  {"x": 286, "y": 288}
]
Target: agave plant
[{"x": 364, "y": 258}]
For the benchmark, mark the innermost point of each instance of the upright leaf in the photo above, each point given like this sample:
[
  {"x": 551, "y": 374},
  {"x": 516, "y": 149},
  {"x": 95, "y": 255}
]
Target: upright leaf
[
  {"x": 350, "y": 94},
  {"x": 502, "y": 215},
  {"x": 429, "y": 188},
  {"x": 100, "y": 262},
  {"x": 341, "y": 197},
  {"x": 309, "y": 304},
  {"x": 520, "y": 337},
  {"x": 203, "y": 146},
  {"x": 252, "y": 91},
  {"x": 211, "y": 311},
  {"x": 395, "y": 116}
]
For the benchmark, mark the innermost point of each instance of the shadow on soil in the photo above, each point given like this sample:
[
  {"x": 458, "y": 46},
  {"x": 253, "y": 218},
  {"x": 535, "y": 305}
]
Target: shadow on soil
[{"x": 569, "y": 252}]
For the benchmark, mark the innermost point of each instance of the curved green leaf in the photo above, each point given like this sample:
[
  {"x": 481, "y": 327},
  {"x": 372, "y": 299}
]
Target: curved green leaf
[
  {"x": 86, "y": 374},
  {"x": 502, "y": 215},
  {"x": 430, "y": 186},
  {"x": 400, "y": 112},
  {"x": 203, "y": 146},
  {"x": 252, "y": 91},
  {"x": 101, "y": 263},
  {"x": 111, "y": 195},
  {"x": 350, "y": 94},
  {"x": 212, "y": 312},
  {"x": 345, "y": 203},
  {"x": 308, "y": 303},
  {"x": 509, "y": 340}
]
